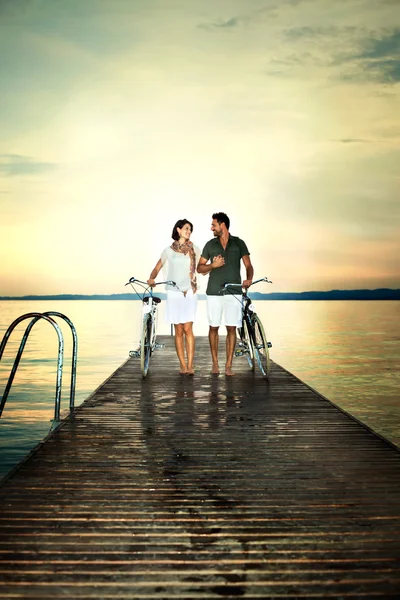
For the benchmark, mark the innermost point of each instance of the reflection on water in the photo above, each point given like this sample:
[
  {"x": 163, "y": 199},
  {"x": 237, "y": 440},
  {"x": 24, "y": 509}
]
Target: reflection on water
[{"x": 348, "y": 351}]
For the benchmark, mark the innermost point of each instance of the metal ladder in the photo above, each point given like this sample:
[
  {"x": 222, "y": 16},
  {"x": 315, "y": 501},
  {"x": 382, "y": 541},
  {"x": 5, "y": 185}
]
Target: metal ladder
[{"x": 35, "y": 317}]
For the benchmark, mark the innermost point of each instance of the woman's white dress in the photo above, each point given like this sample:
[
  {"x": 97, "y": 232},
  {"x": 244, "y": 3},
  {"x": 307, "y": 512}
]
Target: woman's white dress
[{"x": 180, "y": 307}]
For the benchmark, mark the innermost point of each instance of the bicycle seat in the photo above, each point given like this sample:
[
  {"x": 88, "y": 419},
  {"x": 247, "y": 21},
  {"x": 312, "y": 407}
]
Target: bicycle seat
[{"x": 156, "y": 299}]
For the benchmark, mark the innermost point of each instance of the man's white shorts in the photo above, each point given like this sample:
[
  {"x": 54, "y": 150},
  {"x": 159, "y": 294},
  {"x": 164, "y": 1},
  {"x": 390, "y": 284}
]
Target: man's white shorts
[{"x": 228, "y": 306}]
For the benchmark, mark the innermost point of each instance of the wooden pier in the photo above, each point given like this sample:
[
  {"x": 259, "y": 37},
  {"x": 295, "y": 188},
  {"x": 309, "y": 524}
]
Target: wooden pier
[{"x": 203, "y": 487}]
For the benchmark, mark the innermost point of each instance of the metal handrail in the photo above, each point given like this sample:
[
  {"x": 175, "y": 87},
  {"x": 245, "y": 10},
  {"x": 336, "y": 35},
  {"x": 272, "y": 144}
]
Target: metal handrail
[
  {"x": 74, "y": 354},
  {"x": 47, "y": 317}
]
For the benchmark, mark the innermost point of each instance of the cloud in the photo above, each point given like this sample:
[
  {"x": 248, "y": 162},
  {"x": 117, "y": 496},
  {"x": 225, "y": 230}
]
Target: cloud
[
  {"x": 255, "y": 16},
  {"x": 221, "y": 24},
  {"x": 328, "y": 33},
  {"x": 355, "y": 141},
  {"x": 381, "y": 56},
  {"x": 316, "y": 47},
  {"x": 377, "y": 58},
  {"x": 14, "y": 164},
  {"x": 384, "y": 47},
  {"x": 360, "y": 53},
  {"x": 13, "y": 7}
]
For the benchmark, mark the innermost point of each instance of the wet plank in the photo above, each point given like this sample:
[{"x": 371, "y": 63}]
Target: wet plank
[{"x": 203, "y": 487}]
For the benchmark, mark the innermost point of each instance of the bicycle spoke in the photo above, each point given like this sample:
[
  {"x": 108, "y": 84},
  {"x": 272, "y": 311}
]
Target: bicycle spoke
[
  {"x": 145, "y": 345},
  {"x": 261, "y": 347},
  {"x": 248, "y": 345}
]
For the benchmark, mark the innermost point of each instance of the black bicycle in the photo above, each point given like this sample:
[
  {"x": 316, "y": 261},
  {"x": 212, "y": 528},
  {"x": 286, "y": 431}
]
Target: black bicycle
[
  {"x": 148, "y": 340},
  {"x": 253, "y": 343}
]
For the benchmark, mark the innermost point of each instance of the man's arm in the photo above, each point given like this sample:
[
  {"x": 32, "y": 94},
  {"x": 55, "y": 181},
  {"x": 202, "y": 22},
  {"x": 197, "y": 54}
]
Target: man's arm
[
  {"x": 249, "y": 271},
  {"x": 205, "y": 268}
]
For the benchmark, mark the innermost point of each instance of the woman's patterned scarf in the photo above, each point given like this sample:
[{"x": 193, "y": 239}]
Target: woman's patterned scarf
[{"x": 188, "y": 248}]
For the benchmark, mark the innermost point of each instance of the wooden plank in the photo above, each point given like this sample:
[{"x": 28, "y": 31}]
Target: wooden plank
[{"x": 203, "y": 487}]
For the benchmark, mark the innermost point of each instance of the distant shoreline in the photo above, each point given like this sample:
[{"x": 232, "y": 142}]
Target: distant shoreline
[{"x": 378, "y": 294}]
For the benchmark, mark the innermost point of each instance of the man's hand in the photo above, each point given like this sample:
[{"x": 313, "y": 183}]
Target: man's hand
[
  {"x": 151, "y": 282},
  {"x": 218, "y": 261},
  {"x": 247, "y": 283}
]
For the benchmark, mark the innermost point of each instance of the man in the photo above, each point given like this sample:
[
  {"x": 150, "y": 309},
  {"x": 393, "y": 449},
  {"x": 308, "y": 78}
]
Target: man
[{"x": 221, "y": 258}]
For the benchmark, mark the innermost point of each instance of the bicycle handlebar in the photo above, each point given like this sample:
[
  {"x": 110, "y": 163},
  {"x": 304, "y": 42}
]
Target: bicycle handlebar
[
  {"x": 226, "y": 285},
  {"x": 134, "y": 280}
]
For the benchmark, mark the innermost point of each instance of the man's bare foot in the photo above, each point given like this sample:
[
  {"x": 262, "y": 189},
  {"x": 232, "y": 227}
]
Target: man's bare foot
[
  {"x": 229, "y": 372},
  {"x": 215, "y": 369}
]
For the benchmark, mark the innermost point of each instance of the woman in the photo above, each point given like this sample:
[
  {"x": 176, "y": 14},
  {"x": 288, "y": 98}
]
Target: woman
[{"x": 179, "y": 263}]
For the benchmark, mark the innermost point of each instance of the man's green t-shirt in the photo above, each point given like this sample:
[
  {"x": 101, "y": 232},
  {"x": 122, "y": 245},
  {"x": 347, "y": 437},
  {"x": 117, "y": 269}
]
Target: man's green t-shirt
[{"x": 230, "y": 272}]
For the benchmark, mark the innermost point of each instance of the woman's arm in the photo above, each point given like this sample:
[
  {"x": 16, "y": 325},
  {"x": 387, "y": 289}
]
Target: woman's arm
[{"x": 151, "y": 280}]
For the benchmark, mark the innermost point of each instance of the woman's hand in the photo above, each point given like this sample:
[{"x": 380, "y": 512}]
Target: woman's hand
[{"x": 151, "y": 282}]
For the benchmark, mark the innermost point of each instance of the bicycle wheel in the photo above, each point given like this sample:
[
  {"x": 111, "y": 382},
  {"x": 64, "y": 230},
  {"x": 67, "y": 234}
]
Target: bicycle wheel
[
  {"x": 246, "y": 338},
  {"x": 145, "y": 346},
  {"x": 261, "y": 351}
]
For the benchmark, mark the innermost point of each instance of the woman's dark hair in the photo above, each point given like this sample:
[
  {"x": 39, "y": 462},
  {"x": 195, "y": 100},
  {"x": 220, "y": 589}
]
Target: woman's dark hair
[
  {"x": 222, "y": 218},
  {"x": 181, "y": 223}
]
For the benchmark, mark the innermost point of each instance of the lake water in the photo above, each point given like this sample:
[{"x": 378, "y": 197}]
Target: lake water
[{"x": 347, "y": 350}]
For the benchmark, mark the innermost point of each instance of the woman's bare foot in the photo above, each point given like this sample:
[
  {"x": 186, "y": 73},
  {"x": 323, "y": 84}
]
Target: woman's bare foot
[
  {"x": 183, "y": 370},
  {"x": 229, "y": 372},
  {"x": 215, "y": 369},
  {"x": 190, "y": 371}
]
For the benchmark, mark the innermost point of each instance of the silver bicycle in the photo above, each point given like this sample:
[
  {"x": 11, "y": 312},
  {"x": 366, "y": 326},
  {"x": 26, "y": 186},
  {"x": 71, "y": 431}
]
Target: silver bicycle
[
  {"x": 148, "y": 340},
  {"x": 252, "y": 342}
]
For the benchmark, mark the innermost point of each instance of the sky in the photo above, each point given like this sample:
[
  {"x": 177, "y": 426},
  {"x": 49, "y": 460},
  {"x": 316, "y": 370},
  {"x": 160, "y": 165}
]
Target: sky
[{"x": 119, "y": 117}]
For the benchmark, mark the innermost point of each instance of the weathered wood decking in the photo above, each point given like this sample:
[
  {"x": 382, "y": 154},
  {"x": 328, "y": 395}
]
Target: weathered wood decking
[{"x": 204, "y": 487}]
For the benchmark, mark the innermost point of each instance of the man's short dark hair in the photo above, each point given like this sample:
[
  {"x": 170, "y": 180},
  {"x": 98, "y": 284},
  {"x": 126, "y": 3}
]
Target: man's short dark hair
[
  {"x": 181, "y": 223},
  {"x": 222, "y": 218}
]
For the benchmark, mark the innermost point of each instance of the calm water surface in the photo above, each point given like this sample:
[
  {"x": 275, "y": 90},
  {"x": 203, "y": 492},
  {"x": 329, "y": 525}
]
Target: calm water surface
[{"x": 348, "y": 351}]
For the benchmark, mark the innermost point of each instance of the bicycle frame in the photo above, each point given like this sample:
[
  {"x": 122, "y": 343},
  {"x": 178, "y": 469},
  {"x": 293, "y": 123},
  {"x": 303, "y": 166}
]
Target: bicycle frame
[
  {"x": 148, "y": 340},
  {"x": 253, "y": 342}
]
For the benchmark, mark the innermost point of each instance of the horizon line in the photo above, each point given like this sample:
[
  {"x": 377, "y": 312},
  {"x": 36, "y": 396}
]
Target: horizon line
[{"x": 132, "y": 295}]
